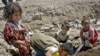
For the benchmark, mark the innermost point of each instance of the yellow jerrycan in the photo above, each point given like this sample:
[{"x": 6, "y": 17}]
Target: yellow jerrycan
[{"x": 56, "y": 54}]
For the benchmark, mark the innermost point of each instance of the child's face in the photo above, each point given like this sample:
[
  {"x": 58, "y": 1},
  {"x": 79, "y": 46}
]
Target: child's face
[
  {"x": 64, "y": 30},
  {"x": 85, "y": 26},
  {"x": 16, "y": 17}
]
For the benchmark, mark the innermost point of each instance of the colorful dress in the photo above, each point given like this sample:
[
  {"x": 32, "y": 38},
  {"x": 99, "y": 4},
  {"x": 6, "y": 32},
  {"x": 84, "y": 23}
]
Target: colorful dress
[
  {"x": 91, "y": 35},
  {"x": 14, "y": 32}
]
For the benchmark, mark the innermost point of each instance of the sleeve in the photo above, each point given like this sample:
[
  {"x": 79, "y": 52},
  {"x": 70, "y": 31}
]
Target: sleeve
[
  {"x": 56, "y": 37},
  {"x": 8, "y": 33},
  {"x": 68, "y": 39},
  {"x": 91, "y": 34}
]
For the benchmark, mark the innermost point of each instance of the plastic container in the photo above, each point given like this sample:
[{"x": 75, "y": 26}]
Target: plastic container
[{"x": 56, "y": 54}]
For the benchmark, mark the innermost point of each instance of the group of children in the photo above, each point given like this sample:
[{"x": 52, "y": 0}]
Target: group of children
[
  {"x": 15, "y": 34},
  {"x": 88, "y": 35}
]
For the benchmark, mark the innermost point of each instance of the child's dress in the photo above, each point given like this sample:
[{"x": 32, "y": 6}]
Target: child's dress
[
  {"x": 14, "y": 32},
  {"x": 91, "y": 35}
]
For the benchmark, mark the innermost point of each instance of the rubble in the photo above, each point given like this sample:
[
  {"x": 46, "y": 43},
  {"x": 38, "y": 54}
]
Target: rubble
[
  {"x": 46, "y": 16},
  {"x": 37, "y": 17},
  {"x": 91, "y": 52},
  {"x": 46, "y": 27},
  {"x": 98, "y": 22}
]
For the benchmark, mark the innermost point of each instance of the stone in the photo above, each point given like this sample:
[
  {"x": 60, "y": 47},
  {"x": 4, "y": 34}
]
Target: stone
[
  {"x": 4, "y": 53},
  {"x": 37, "y": 16},
  {"x": 46, "y": 27}
]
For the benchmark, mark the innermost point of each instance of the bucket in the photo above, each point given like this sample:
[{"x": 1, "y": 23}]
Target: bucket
[{"x": 56, "y": 54}]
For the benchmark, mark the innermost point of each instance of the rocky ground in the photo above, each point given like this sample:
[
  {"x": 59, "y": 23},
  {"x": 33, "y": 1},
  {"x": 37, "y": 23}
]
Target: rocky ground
[
  {"x": 46, "y": 16},
  {"x": 91, "y": 52}
]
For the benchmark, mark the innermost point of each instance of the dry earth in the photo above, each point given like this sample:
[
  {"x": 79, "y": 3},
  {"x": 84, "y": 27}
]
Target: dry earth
[{"x": 37, "y": 13}]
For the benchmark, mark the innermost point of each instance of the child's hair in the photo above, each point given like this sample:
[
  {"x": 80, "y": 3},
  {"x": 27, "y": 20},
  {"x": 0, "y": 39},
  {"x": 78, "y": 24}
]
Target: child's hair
[
  {"x": 66, "y": 25},
  {"x": 10, "y": 9},
  {"x": 85, "y": 20}
]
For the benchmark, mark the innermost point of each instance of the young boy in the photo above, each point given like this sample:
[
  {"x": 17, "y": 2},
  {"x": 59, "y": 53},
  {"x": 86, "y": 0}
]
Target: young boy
[
  {"x": 44, "y": 45},
  {"x": 88, "y": 34},
  {"x": 63, "y": 38}
]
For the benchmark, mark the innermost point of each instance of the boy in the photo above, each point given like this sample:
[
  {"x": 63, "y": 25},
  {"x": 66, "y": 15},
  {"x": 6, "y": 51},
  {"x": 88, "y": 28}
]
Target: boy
[
  {"x": 62, "y": 37},
  {"x": 44, "y": 45}
]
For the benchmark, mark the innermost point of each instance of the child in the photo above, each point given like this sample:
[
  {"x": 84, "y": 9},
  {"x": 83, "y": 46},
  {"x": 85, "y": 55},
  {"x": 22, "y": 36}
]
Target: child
[
  {"x": 88, "y": 34},
  {"x": 14, "y": 33},
  {"x": 63, "y": 38},
  {"x": 44, "y": 45}
]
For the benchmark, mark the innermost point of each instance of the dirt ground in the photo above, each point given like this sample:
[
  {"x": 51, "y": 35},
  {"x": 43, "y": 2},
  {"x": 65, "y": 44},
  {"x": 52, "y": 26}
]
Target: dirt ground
[
  {"x": 91, "y": 52},
  {"x": 37, "y": 13}
]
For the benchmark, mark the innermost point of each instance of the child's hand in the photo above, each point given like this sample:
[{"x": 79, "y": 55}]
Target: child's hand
[
  {"x": 69, "y": 41},
  {"x": 20, "y": 42}
]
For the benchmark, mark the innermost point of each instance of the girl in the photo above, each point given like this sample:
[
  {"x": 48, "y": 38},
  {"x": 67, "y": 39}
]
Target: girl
[
  {"x": 14, "y": 33},
  {"x": 88, "y": 34},
  {"x": 63, "y": 38}
]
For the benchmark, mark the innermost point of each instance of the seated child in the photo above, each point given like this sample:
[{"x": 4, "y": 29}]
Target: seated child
[
  {"x": 88, "y": 34},
  {"x": 63, "y": 38}
]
